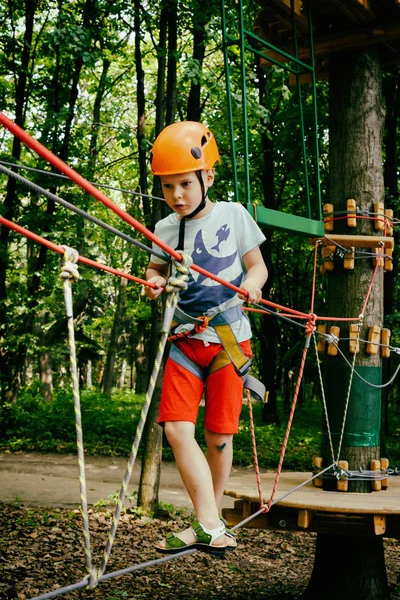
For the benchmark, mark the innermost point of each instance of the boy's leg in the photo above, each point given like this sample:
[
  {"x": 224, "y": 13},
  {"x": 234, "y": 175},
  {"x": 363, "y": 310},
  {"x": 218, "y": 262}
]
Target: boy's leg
[
  {"x": 196, "y": 476},
  {"x": 219, "y": 458}
]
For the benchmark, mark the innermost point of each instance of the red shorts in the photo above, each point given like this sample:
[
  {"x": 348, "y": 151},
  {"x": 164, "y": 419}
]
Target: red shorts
[{"x": 182, "y": 390}]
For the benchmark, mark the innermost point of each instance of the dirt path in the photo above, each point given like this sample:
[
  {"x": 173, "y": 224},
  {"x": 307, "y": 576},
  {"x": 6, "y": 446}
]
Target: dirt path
[{"x": 52, "y": 480}]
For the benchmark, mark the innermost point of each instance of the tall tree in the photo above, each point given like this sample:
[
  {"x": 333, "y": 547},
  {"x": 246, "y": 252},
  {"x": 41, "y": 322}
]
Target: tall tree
[{"x": 355, "y": 161}]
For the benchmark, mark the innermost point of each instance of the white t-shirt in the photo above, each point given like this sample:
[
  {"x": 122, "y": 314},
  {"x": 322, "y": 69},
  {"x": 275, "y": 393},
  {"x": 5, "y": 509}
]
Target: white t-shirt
[{"x": 217, "y": 243}]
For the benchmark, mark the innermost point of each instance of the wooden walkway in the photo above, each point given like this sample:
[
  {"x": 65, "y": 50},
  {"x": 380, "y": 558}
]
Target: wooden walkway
[{"x": 314, "y": 509}]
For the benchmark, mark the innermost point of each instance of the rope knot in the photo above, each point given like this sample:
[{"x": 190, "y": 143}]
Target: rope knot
[
  {"x": 69, "y": 269},
  {"x": 93, "y": 578},
  {"x": 310, "y": 325},
  {"x": 180, "y": 281}
]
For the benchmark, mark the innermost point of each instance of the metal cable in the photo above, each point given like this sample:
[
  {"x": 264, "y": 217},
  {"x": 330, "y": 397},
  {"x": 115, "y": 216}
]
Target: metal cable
[
  {"x": 39, "y": 190},
  {"x": 101, "y": 185}
]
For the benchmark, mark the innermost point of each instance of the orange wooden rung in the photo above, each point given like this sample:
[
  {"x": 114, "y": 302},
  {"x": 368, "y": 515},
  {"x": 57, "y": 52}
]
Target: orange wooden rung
[
  {"x": 318, "y": 463},
  {"x": 385, "y": 339},
  {"x": 326, "y": 252},
  {"x": 348, "y": 261},
  {"x": 374, "y": 338},
  {"x": 351, "y": 218},
  {"x": 379, "y": 210},
  {"x": 389, "y": 221},
  {"x": 384, "y": 467},
  {"x": 321, "y": 346},
  {"x": 354, "y": 345},
  {"x": 332, "y": 348},
  {"x": 388, "y": 262},
  {"x": 376, "y": 484},
  {"x": 343, "y": 483},
  {"x": 328, "y": 224}
]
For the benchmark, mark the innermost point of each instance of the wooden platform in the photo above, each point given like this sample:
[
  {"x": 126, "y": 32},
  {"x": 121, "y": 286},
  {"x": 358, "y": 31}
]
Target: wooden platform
[{"x": 313, "y": 509}]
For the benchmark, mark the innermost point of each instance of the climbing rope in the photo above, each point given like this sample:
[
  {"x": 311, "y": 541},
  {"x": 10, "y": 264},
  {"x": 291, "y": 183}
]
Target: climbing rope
[
  {"x": 175, "y": 284},
  {"x": 69, "y": 273}
]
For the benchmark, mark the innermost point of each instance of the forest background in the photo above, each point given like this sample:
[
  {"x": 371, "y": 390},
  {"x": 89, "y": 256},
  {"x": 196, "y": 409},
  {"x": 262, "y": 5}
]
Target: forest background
[{"x": 95, "y": 81}]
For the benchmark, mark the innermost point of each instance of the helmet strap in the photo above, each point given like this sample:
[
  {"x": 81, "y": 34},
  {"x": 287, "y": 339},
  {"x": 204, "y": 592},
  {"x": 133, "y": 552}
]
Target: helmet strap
[{"x": 204, "y": 192}]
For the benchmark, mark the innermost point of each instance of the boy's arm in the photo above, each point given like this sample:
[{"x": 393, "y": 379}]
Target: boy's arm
[
  {"x": 157, "y": 274},
  {"x": 256, "y": 275}
]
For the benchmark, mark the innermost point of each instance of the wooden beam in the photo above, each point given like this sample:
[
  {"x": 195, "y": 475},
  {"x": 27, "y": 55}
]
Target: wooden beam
[
  {"x": 356, "y": 10},
  {"x": 357, "y": 241},
  {"x": 358, "y": 38}
]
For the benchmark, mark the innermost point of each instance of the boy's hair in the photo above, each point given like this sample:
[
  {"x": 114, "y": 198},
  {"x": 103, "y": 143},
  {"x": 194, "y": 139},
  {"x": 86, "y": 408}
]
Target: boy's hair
[{"x": 184, "y": 147}]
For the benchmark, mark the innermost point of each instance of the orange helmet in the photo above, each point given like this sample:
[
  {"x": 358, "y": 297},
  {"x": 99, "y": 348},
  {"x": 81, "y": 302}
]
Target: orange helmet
[{"x": 184, "y": 147}]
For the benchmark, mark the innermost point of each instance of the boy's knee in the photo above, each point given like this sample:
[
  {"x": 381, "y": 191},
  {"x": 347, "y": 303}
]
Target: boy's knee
[
  {"x": 177, "y": 431},
  {"x": 218, "y": 441}
]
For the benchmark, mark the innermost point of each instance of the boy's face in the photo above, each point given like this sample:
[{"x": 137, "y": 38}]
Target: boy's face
[{"x": 182, "y": 192}]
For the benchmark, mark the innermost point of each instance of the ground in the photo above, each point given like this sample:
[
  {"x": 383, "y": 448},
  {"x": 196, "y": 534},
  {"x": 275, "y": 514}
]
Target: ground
[{"x": 41, "y": 549}]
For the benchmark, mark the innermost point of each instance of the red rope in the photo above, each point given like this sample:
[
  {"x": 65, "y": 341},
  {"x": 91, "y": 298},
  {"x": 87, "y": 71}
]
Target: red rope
[
  {"x": 254, "y": 446},
  {"x": 45, "y": 153},
  {"x": 60, "y": 250},
  {"x": 198, "y": 328},
  {"x": 380, "y": 253},
  {"x": 288, "y": 428}
]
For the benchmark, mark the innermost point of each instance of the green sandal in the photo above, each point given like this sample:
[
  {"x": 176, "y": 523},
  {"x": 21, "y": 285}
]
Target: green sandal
[
  {"x": 204, "y": 540},
  {"x": 230, "y": 534}
]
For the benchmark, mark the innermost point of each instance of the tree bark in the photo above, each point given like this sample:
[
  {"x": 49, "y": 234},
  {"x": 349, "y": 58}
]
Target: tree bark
[
  {"x": 355, "y": 163},
  {"x": 114, "y": 336},
  {"x": 361, "y": 570},
  {"x": 9, "y": 379}
]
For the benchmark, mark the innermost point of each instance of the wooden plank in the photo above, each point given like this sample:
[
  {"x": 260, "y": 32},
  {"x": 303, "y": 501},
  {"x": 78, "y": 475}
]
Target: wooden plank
[
  {"x": 358, "y": 241},
  {"x": 386, "y": 502}
]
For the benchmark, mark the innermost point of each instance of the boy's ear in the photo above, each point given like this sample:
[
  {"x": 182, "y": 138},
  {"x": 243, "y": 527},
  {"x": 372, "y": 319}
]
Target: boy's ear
[{"x": 209, "y": 177}]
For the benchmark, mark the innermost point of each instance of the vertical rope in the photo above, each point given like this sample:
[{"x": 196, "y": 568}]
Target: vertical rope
[
  {"x": 254, "y": 446},
  {"x": 321, "y": 383},
  {"x": 69, "y": 272},
  {"x": 175, "y": 284}
]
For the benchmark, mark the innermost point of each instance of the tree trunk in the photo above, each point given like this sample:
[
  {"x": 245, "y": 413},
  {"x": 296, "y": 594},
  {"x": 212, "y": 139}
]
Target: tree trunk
[
  {"x": 114, "y": 335},
  {"x": 392, "y": 101},
  {"x": 141, "y": 359},
  {"x": 46, "y": 375},
  {"x": 152, "y": 452},
  {"x": 355, "y": 171},
  {"x": 360, "y": 569},
  {"x": 10, "y": 362}
]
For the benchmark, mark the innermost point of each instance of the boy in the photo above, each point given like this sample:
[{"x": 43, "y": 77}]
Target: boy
[{"x": 222, "y": 238}]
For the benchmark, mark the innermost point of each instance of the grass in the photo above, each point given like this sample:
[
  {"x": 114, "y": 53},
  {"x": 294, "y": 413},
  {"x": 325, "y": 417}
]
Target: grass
[{"x": 109, "y": 427}]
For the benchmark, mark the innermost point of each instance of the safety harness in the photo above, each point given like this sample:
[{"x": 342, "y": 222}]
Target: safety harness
[{"x": 231, "y": 351}]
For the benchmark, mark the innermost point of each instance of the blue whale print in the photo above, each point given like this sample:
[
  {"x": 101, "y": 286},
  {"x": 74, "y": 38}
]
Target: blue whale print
[
  {"x": 204, "y": 259},
  {"x": 198, "y": 298},
  {"x": 222, "y": 235}
]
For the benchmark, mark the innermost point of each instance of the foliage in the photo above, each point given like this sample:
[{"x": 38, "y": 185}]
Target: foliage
[{"x": 109, "y": 427}]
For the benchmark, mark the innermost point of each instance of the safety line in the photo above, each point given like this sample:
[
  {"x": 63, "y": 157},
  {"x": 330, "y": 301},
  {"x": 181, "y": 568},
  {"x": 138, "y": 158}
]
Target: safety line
[
  {"x": 151, "y": 563},
  {"x": 82, "y": 259},
  {"x": 101, "y": 185},
  {"x": 30, "y": 142},
  {"x": 39, "y": 190}
]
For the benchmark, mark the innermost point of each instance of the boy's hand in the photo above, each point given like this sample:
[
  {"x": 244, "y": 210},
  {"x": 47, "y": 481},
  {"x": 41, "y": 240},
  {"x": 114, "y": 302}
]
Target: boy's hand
[
  {"x": 254, "y": 292},
  {"x": 159, "y": 284}
]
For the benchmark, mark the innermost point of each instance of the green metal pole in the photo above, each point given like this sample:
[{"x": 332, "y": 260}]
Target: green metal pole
[
  {"x": 301, "y": 114},
  {"x": 229, "y": 101},
  {"x": 244, "y": 105},
  {"x": 315, "y": 109}
]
